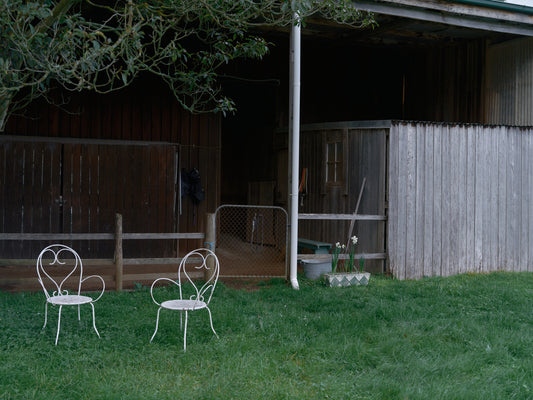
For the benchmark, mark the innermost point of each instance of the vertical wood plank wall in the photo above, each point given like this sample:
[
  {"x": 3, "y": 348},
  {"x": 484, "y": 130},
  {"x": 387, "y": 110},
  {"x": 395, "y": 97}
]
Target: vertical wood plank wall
[
  {"x": 365, "y": 158},
  {"x": 460, "y": 199},
  {"x": 78, "y": 186},
  {"x": 509, "y": 83},
  {"x": 28, "y": 200},
  {"x": 145, "y": 112}
]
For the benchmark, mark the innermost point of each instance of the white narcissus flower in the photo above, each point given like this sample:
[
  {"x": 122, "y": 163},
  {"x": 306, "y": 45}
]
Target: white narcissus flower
[
  {"x": 338, "y": 245},
  {"x": 354, "y": 240}
]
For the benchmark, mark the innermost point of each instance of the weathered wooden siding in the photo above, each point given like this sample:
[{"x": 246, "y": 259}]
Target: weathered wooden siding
[
  {"x": 145, "y": 112},
  {"x": 460, "y": 199},
  {"x": 509, "y": 83},
  {"x": 350, "y": 82},
  {"x": 444, "y": 84},
  {"x": 365, "y": 158},
  {"x": 77, "y": 186},
  {"x": 28, "y": 200}
]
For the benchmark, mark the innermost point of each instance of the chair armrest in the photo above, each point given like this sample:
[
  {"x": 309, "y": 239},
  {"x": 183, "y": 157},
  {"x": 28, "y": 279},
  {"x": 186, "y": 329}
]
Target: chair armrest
[
  {"x": 103, "y": 284},
  {"x": 153, "y": 284}
]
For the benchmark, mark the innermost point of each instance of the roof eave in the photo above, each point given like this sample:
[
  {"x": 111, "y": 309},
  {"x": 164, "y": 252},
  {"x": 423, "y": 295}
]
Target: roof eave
[{"x": 475, "y": 14}]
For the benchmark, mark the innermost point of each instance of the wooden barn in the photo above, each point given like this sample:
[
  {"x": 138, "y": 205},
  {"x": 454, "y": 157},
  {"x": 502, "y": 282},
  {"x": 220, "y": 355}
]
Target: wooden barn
[
  {"x": 434, "y": 198},
  {"x": 451, "y": 62},
  {"x": 71, "y": 170},
  {"x": 458, "y": 62}
]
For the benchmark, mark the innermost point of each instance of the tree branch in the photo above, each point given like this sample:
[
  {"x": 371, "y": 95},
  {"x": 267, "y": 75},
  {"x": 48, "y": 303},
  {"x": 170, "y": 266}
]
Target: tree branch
[{"x": 61, "y": 8}]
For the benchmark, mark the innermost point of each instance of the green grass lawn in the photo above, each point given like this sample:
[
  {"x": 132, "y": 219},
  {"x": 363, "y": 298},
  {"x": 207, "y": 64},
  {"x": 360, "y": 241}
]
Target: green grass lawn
[{"x": 464, "y": 337}]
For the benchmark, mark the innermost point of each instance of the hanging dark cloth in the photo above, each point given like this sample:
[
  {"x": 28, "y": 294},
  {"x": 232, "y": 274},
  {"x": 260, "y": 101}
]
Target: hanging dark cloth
[{"x": 191, "y": 185}]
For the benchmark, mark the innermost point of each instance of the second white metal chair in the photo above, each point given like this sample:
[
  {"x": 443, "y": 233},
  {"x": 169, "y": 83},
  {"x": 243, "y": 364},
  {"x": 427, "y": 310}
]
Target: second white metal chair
[{"x": 200, "y": 265}]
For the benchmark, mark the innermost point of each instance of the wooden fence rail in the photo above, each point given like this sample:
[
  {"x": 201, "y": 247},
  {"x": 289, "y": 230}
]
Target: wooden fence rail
[
  {"x": 347, "y": 217},
  {"x": 118, "y": 261},
  {"x": 98, "y": 236}
]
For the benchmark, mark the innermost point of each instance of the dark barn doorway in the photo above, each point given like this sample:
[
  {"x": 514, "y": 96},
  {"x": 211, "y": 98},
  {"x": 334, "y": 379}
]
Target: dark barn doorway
[{"x": 77, "y": 186}]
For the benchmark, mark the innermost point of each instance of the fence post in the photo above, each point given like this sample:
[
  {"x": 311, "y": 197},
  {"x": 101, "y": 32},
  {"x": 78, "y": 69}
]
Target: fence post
[
  {"x": 119, "y": 267},
  {"x": 210, "y": 243}
]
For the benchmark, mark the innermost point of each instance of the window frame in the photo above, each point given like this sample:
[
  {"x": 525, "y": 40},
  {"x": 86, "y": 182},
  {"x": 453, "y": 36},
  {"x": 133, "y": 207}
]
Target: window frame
[{"x": 330, "y": 137}]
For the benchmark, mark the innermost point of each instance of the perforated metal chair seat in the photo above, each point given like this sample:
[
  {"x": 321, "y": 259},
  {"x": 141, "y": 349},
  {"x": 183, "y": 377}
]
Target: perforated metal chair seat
[
  {"x": 69, "y": 300},
  {"x": 183, "y": 305}
]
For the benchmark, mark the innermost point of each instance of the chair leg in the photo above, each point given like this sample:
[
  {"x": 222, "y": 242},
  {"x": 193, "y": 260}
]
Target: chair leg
[
  {"x": 45, "y": 314},
  {"x": 58, "y": 323},
  {"x": 94, "y": 322},
  {"x": 156, "y": 324},
  {"x": 211, "y": 322},
  {"x": 185, "y": 333},
  {"x": 79, "y": 319}
]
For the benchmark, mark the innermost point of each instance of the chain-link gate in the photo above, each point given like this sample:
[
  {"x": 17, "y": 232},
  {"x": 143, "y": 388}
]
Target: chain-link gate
[{"x": 251, "y": 241}]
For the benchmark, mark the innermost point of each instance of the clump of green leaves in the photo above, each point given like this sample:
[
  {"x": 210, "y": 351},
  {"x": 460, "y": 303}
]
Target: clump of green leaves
[{"x": 103, "y": 46}]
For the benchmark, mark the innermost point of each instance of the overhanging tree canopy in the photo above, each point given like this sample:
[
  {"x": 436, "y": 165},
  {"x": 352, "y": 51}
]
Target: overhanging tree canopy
[{"x": 100, "y": 46}]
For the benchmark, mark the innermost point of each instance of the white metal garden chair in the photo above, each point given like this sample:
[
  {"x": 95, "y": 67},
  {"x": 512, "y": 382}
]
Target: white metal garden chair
[
  {"x": 59, "y": 267},
  {"x": 200, "y": 265}
]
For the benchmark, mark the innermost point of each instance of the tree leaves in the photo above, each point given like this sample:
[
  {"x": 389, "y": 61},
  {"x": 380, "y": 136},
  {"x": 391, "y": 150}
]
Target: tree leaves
[{"x": 93, "y": 45}]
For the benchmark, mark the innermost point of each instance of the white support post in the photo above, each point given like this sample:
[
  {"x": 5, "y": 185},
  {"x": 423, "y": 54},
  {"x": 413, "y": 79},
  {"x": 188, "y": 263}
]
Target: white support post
[{"x": 294, "y": 138}]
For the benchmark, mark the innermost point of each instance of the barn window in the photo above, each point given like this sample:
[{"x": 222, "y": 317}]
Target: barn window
[{"x": 335, "y": 160}]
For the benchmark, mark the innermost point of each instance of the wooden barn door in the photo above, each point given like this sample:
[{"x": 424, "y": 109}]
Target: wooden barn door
[
  {"x": 30, "y": 177},
  {"x": 78, "y": 187}
]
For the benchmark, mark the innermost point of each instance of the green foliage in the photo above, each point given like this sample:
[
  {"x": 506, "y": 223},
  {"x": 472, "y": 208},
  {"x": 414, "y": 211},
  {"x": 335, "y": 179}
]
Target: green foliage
[
  {"x": 361, "y": 264},
  {"x": 463, "y": 337},
  {"x": 103, "y": 46},
  {"x": 137, "y": 286}
]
